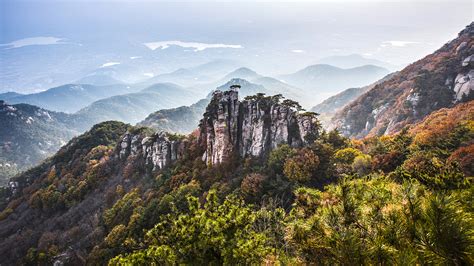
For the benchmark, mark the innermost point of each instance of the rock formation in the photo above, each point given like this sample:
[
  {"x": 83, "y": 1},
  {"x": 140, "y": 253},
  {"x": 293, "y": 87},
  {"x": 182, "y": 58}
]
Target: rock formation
[
  {"x": 230, "y": 127},
  {"x": 157, "y": 151},
  {"x": 251, "y": 127}
]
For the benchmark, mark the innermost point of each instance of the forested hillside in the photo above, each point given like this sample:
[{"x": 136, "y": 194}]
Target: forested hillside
[{"x": 125, "y": 195}]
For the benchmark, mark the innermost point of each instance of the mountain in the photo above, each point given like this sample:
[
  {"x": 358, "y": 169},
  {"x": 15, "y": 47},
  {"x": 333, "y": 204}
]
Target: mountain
[
  {"x": 134, "y": 107},
  {"x": 71, "y": 97},
  {"x": 182, "y": 120},
  {"x": 204, "y": 73},
  {"x": 272, "y": 85},
  {"x": 354, "y": 60},
  {"x": 185, "y": 119},
  {"x": 258, "y": 178},
  {"x": 28, "y": 135},
  {"x": 320, "y": 81},
  {"x": 8, "y": 95},
  {"x": 31, "y": 134},
  {"x": 243, "y": 73},
  {"x": 86, "y": 173},
  {"x": 441, "y": 79},
  {"x": 99, "y": 80}
]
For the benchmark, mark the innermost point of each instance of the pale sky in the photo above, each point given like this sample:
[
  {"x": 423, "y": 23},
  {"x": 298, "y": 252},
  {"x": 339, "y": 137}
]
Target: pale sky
[{"x": 271, "y": 36}]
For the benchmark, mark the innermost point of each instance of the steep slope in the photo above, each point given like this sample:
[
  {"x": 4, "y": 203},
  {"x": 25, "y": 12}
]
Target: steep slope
[
  {"x": 134, "y": 107},
  {"x": 442, "y": 79},
  {"x": 73, "y": 158},
  {"x": 71, "y": 97},
  {"x": 28, "y": 135},
  {"x": 321, "y": 81}
]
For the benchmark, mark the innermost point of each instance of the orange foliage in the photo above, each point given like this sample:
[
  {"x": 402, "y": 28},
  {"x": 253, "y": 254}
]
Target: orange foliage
[
  {"x": 442, "y": 122},
  {"x": 465, "y": 157},
  {"x": 252, "y": 184}
]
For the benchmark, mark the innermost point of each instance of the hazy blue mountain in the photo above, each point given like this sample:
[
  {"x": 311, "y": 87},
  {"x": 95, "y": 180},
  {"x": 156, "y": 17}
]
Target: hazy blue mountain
[
  {"x": 271, "y": 85},
  {"x": 243, "y": 73},
  {"x": 321, "y": 81},
  {"x": 354, "y": 60},
  {"x": 70, "y": 97},
  {"x": 134, "y": 107},
  {"x": 99, "y": 80},
  {"x": 9, "y": 95},
  {"x": 204, "y": 73},
  {"x": 185, "y": 119}
]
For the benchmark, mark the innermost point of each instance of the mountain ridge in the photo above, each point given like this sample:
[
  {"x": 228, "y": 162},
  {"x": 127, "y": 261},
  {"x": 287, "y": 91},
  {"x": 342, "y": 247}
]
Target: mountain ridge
[{"x": 441, "y": 79}]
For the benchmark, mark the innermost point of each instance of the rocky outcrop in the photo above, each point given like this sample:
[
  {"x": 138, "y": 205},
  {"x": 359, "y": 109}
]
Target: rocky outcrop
[
  {"x": 251, "y": 127},
  {"x": 230, "y": 128},
  {"x": 463, "y": 85},
  {"x": 157, "y": 151}
]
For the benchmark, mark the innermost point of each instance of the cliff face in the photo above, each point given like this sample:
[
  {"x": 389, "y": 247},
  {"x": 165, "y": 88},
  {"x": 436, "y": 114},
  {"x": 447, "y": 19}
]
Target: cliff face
[
  {"x": 157, "y": 151},
  {"x": 440, "y": 80},
  {"x": 251, "y": 127},
  {"x": 230, "y": 127}
]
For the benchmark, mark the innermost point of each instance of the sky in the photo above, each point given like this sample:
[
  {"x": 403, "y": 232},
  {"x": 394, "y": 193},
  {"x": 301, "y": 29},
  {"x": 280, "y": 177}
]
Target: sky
[{"x": 272, "y": 36}]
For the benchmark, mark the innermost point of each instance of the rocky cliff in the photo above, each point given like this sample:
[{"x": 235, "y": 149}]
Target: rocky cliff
[
  {"x": 230, "y": 127},
  {"x": 252, "y": 127},
  {"x": 157, "y": 151},
  {"x": 440, "y": 80}
]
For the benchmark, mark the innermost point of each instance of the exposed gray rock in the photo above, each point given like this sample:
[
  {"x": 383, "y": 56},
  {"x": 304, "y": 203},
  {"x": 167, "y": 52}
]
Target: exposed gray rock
[
  {"x": 463, "y": 85},
  {"x": 157, "y": 151},
  {"x": 461, "y": 46},
  {"x": 251, "y": 127},
  {"x": 230, "y": 128},
  {"x": 468, "y": 61}
]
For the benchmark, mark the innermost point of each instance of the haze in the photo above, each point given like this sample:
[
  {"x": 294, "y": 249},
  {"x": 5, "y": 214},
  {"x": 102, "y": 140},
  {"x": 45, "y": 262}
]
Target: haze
[{"x": 270, "y": 37}]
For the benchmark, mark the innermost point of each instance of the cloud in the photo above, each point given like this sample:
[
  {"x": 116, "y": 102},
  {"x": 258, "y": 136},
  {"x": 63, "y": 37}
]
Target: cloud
[
  {"x": 33, "y": 41},
  {"x": 397, "y": 43},
  {"x": 108, "y": 64},
  {"x": 150, "y": 75},
  {"x": 135, "y": 57},
  {"x": 298, "y": 51},
  {"x": 196, "y": 45}
]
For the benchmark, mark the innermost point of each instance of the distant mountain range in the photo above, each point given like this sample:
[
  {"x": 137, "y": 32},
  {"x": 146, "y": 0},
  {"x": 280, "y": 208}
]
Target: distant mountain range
[
  {"x": 200, "y": 74},
  {"x": 133, "y": 107},
  {"x": 321, "y": 81},
  {"x": 185, "y": 119},
  {"x": 68, "y": 98},
  {"x": 355, "y": 60}
]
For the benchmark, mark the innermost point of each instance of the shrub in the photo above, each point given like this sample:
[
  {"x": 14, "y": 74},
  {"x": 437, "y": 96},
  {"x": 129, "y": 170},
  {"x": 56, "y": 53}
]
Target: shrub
[
  {"x": 252, "y": 184},
  {"x": 301, "y": 166}
]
